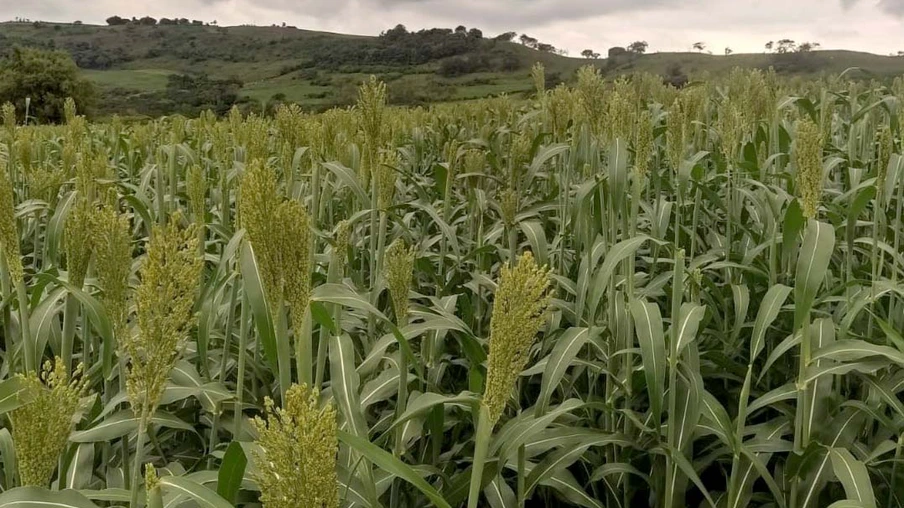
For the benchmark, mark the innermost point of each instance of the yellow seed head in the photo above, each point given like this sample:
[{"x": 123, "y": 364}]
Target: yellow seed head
[
  {"x": 296, "y": 464},
  {"x": 371, "y": 106},
  {"x": 808, "y": 157},
  {"x": 151, "y": 480},
  {"x": 519, "y": 311},
  {"x": 42, "y": 426},
  {"x": 676, "y": 132},
  {"x": 399, "y": 269},
  {"x": 508, "y": 205},
  {"x": 165, "y": 299}
]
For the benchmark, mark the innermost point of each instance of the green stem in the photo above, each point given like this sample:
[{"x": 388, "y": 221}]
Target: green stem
[
  {"x": 25, "y": 328},
  {"x": 139, "y": 456},
  {"x": 481, "y": 446},
  {"x": 70, "y": 317}
]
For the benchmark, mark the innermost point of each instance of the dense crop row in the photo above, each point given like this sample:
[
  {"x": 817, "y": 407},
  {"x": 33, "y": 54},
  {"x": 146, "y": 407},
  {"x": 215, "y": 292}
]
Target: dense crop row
[{"x": 616, "y": 294}]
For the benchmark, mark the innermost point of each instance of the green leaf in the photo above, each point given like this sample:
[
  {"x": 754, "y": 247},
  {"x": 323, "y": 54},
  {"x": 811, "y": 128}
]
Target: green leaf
[
  {"x": 769, "y": 309},
  {"x": 618, "y": 253},
  {"x": 851, "y": 350},
  {"x": 392, "y": 465},
  {"x": 345, "y": 383},
  {"x": 256, "y": 296},
  {"x": 11, "y": 394},
  {"x": 199, "y": 493},
  {"x": 34, "y": 497},
  {"x": 688, "y": 324},
  {"x": 566, "y": 348},
  {"x": 232, "y": 469},
  {"x": 648, "y": 325},
  {"x": 812, "y": 265},
  {"x": 123, "y": 423},
  {"x": 853, "y": 476}
]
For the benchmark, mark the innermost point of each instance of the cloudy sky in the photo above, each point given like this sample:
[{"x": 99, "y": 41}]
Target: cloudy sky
[{"x": 668, "y": 25}]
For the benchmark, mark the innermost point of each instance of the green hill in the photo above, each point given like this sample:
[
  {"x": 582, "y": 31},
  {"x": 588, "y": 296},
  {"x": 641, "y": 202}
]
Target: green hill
[{"x": 141, "y": 68}]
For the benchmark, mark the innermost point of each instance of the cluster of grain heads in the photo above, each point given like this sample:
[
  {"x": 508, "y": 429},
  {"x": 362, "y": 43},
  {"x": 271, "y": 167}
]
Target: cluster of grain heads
[
  {"x": 399, "y": 270},
  {"x": 41, "y": 426},
  {"x": 371, "y": 105},
  {"x": 519, "y": 312},
  {"x": 296, "y": 463},
  {"x": 165, "y": 300}
]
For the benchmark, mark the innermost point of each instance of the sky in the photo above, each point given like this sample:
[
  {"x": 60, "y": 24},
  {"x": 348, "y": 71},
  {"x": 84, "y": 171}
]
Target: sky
[{"x": 744, "y": 26}]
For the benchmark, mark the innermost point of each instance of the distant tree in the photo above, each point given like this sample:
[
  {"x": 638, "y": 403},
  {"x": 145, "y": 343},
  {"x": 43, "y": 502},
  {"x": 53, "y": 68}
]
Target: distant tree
[
  {"x": 699, "y": 46},
  {"x": 506, "y": 37},
  {"x": 47, "y": 78},
  {"x": 116, "y": 20},
  {"x": 461, "y": 29},
  {"x": 589, "y": 53},
  {"x": 197, "y": 22},
  {"x": 475, "y": 33},
  {"x": 395, "y": 33},
  {"x": 638, "y": 47},
  {"x": 806, "y": 47},
  {"x": 147, "y": 20},
  {"x": 183, "y": 21},
  {"x": 785, "y": 46},
  {"x": 728, "y": 51},
  {"x": 616, "y": 52},
  {"x": 214, "y": 22},
  {"x": 166, "y": 21},
  {"x": 770, "y": 45},
  {"x": 900, "y": 53},
  {"x": 549, "y": 48},
  {"x": 528, "y": 41},
  {"x": 77, "y": 22}
]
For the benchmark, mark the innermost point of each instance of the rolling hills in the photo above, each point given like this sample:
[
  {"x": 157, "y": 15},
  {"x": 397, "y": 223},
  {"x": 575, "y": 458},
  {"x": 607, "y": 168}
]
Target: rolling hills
[{"x": 133, "y": 64}]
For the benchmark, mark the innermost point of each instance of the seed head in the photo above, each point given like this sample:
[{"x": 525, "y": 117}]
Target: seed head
[
  {"x": 42, "y": 426},
  {"x": 519, "y": 311},
  {"x": 371, "y": 105},
  {"x": 398, "y": 272},
  {"x": 69, "y": 111},
  {"x": 258, "y": 206},
  {"x": 676, "y": 132},
  {"x": 538, "y": 74},
  {"x": 196, "y": 187},
  {"x": 9, "y": 231},
  {"x": 295, "y": 256},
  {"x": 508, "y": 205},
  {"x": 643, "y": 143},
  {"x": 165, "y": 299},
  {"x": 78, "y": 240},
  {"x": 297, "y": 459},
  {"x": 886, "y": 146},
  {"x": 341, "y": 238},
  {"x": 387, "y": 176},
  {"x": 114, "y": 265},
  {"x": 808, "y": 156}
]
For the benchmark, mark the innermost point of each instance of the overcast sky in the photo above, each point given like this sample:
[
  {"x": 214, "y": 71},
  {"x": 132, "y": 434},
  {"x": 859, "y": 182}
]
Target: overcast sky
[{"x": 668, "y": 25}]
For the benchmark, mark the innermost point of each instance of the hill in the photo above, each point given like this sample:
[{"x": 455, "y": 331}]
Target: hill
[{"x": 162, "y": 68}]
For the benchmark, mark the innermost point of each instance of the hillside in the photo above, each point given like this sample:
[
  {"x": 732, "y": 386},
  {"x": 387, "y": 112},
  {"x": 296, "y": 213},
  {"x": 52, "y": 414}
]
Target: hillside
[{"x": 134, "y": 64}]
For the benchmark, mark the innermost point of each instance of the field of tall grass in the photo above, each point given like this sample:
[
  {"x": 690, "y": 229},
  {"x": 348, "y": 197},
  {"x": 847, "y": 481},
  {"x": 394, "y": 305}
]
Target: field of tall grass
[{"x": 611, "y": 295}]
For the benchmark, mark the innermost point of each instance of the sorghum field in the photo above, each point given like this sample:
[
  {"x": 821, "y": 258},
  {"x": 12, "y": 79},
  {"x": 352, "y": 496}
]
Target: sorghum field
[{"x": 611, "y": 295}]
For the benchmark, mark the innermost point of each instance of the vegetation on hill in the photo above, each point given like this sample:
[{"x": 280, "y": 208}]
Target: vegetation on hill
[{"x": 131, "y": 61}]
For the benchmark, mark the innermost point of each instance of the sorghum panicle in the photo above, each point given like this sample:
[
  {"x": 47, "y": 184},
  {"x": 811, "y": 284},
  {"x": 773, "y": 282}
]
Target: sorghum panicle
[
  {"x": 519, "y": 311},
  {"x": 296, "y": 464},
  {"x": 41, "y": 427},
  {"x": 399, "y": 269}
]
